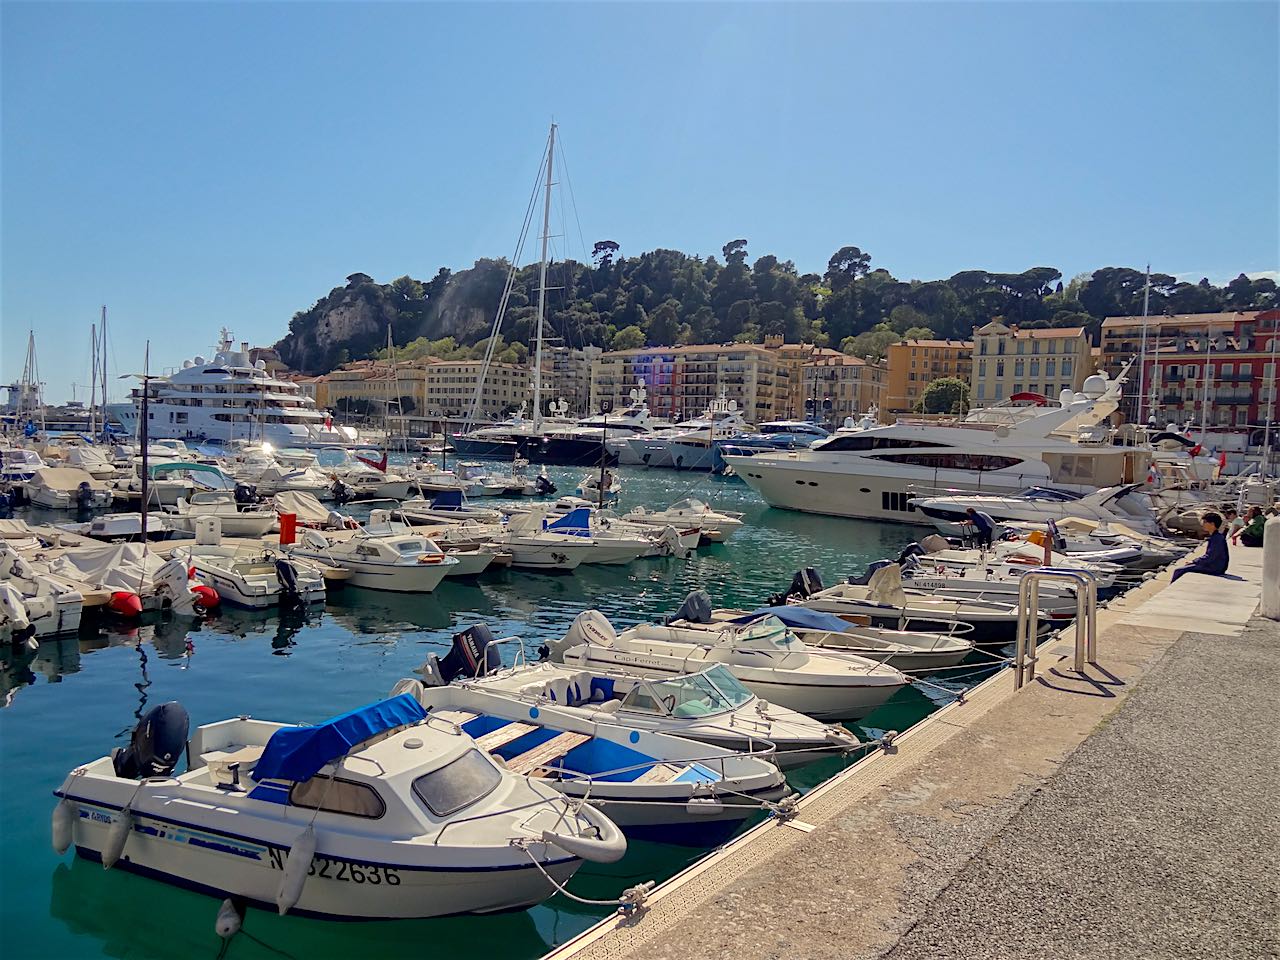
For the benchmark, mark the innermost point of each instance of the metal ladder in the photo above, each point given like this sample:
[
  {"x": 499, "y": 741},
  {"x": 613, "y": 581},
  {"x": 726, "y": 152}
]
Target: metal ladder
[{"x": 1024, "y": 658}]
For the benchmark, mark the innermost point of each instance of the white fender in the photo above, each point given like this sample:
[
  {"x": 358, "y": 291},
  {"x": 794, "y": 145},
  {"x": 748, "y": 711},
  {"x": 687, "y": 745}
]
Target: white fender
[
  {"x": 227, "y": 924},
  {"x": 606, "y": 848},
  {"x": 117, "y": 836},
  {"x": 65, "y": 815},
  {"x": 296, "y": 865},
  {"x": 704, "y": 806}
]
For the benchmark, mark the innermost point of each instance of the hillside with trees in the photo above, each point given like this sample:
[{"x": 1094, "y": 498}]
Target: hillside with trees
[{"x": 667, "y": 297}]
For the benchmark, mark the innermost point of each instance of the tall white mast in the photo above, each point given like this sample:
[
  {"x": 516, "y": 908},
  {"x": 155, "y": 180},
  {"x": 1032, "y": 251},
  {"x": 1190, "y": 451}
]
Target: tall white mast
[
  {"x": 1142, "y": 361},
  {"x": 542, "y": 286},
  {"x": 93, "y": 379},
  {"x": 102, "y": 362}
]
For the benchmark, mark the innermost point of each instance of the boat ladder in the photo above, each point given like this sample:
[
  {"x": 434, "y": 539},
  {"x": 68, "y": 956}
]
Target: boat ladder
[{"x": 1086, "y": 623}]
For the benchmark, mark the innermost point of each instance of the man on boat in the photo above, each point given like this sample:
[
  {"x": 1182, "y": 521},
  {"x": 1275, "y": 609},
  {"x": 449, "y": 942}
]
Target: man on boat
[
  {"x": 983, "y": 526},
  {"x": 1215, "y": 558}
]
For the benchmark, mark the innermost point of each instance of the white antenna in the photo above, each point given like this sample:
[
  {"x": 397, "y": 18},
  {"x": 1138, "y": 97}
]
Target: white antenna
[{"x": 542, "y": 285}]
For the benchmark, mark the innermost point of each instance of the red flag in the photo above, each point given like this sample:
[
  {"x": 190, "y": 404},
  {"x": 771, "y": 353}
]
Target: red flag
[
  {"x": 1222, "y": 460},
  {"x": 376, "y": 464}
]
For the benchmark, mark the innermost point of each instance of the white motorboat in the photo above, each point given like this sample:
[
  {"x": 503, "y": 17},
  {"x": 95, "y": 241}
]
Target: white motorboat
[
  {"x": 253, "y": 577},
  {"x": 654, "y": 785},
  {"x": 135, "y": 576},
  {"x": 235, "y": 519},
  {"x": 18, "y": 464},
  {"x": 52, "y": 606},
  {"x": 1123, "y": 503},
  {"x": 709, "y": 706},
  {"x": 1075, "y": 536},
  {"x": 715, "y": 525},
  {"x": 906, "y": 650},
  {"x": 875, "y": 473},
  {"x": 401, "y": 563},
  {"x": 276, "y": 479},
  {"x": 763, "y": 655},
  {"x": 469, "y": 561},
  {"x": 689, "y": 445},
  {"x": 380, "y": 813},
  {"x": 882, "y": 602},
  {"x": 609, "y": 545},
  {"x": 92, "y": 460},
  {"x": 448, "y": 506},
  {"x": 121, "y": 527},
  {"x": 590, "y": 487},
  {"x": 477, "y": 481},
  {"x": 67, "y": 488}
]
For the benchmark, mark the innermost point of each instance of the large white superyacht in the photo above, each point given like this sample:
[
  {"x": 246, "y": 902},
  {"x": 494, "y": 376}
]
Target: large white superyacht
[
  {"x": 874, "y": 473},
  {"x": 228, "y": 398}
]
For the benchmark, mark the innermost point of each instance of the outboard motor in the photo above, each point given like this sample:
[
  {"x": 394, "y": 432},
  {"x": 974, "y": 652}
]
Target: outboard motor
[
  {"x": 910, "y": 550},
  {"x": 804, "y": 584},
  {"x": 287, "y": 577},
  {"x": 156, "y": 744},
  {"x": 341, "y": 492},
  {"x": 246, "y": 493},
  {"x": 695, "y": 609},
  {"x": 472, "y": 656},
  {"x": 84, "y": 495},
  {"x": 589, "y": 628},
  {"x": 863, "y": 580},
  {"x": 543, "y": 486}
]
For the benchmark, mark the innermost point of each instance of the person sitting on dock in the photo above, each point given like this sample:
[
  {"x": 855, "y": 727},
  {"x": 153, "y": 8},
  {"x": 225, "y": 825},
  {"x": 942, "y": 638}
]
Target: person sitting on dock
[
  {"x": 983, "y": 527},
  {"x": 1251, "y": 534},
  {"x": 1215, "y": 558}
]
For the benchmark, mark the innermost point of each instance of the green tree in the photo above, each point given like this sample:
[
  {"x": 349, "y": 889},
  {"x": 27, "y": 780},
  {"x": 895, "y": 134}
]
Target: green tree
[
  {"x": 875, "y": 343},
  {"x": 628, "y": 338},
  {"x": 664, "y": 324},
  {"x": 946, "y": 395}
]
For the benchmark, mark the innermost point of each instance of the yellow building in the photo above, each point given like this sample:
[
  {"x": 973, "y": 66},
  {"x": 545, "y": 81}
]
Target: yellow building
[
  {"x": 425, "y": 388},
  {"x": 683, "y": 381},
  {"x": 913, "y": 364},
  {"x": 840, "y": 386},
  {"x": 1045, "y": 361}
]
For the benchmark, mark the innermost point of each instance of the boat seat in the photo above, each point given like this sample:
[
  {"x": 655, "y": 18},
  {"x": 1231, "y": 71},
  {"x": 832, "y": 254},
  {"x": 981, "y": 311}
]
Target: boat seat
[
  {"x": 545, "y": 753},
  {"x": 503, "y": 735},
  {"x": 220, "y": 762},
  {"x": 659, "y": 773}
]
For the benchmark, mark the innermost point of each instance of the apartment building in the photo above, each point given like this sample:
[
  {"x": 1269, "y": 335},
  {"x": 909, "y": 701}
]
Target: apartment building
[
  {"x": 426, "y": 388},
  {"x": 683, "y": 381},
  {"x": 1008, "y": 361},
  {"x": 570, "y": 376},
  {"x": 911, "y": 365},
  {"x": 1213, "y": 368},
  {"x": 838, "y": 386}
]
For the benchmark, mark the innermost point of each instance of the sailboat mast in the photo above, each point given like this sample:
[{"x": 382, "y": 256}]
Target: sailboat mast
[
  {"x": 93, "y": 379},
  {"x": 102, "y": 362},
  {"x": 542, "y": 285},
  {"x": 1142, "y": 362}
]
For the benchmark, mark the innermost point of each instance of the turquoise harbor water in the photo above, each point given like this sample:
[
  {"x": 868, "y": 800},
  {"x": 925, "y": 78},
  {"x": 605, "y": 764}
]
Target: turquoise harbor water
[{"x": 80, "y": 696}]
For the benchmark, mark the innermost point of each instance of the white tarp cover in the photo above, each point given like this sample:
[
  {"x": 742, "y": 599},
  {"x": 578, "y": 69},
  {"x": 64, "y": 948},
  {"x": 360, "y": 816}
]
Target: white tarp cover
[
  {"x": 305, "y": 505},
  {"x": 15, "y": 530},
  {"x": 65, "y": 478},
  {"x": 112, "y": 566}
]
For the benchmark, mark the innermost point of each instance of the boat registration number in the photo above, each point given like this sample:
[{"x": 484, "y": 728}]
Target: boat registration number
[{"x": 326, "y": 869}]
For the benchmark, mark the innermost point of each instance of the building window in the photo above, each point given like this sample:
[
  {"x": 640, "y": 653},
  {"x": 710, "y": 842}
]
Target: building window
[
  {"x": 1066, "y": 366},
  {"x": 1018, "y": 368},
  {"x": 1021, "y": 345},
  {"x": 1000, "y": 346},
  {"x": 982, "y": 348},
  {"x": 982, "y": 391},
  {"x": 1017, "y": 388},
  {"x": 982, "y": 368},
  {"x": 1049, "y": 366},
  {"x": 999, "y": 391},
  {"x": 1053, "y": 346},
  {"x": 999, "y": 368}
]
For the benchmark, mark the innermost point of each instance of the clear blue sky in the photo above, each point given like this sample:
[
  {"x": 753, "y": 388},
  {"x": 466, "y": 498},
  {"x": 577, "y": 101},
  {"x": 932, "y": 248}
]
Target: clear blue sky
[{"x": 193, "y": 165}]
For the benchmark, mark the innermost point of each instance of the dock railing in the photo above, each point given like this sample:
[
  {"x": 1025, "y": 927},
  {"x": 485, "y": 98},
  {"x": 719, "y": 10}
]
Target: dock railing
[{"x": 1086, "y": 624}]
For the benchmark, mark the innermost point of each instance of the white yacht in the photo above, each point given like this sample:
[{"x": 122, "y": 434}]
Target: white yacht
[
  {"x": 689, "y": 445},
  {"x": 228, "y": 398},
  {"x": 875, "y": 473},
  {"x": 597, "y": 438}
]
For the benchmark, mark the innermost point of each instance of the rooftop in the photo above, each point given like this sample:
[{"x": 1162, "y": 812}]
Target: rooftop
[{"x": 1214, "y": 319}]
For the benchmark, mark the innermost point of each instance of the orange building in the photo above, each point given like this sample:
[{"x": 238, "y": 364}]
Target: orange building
[{"x": 914, "y": 364}]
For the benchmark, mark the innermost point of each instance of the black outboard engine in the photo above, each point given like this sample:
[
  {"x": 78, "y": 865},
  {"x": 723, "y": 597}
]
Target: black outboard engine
[
  {"x": 287, "y": 576},
  {"x": 341, "y": 492},
  {"x": 157, "y": 742},
  {"x": 863, "y": 580},
  {"x": 910, "y": 550},
  {"x": 246, "y": 493},
  {"x": 695, "y": 609},
  {"x": 804, "y": 584},
  {"x": 543, "y": 485},
  {"x": 472, "y": 656},
  {"x": 84, "y": 495}
]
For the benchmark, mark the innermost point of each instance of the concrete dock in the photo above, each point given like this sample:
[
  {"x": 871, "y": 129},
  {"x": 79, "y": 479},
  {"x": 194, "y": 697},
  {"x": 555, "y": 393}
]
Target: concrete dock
[{"x": 1131, "y": 811}]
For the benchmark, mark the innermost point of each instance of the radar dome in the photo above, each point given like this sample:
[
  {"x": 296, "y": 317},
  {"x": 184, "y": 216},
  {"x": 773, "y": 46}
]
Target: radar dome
[
  {"x": 199, "y": 362},
  {"x": 1065, "y": 397},
  {"x": 1094, "y": 386},
  {"x": 260, "y": 365},
  {"x": 187, "y": 364}
]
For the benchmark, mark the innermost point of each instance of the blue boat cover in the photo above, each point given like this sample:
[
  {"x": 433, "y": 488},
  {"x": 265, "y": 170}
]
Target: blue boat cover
[
  {"x": 299, "y": 753},
  {"x": 802, "y": 617},
  {"x": 576, "y": 519},
  {"x": 447, "y": 500}
]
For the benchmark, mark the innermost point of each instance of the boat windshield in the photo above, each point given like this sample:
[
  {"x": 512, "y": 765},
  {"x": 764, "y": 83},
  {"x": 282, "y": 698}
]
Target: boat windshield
[
  {"x": 457, "y": 784},
  {"x": 408, "y": 548},
  {"x": 1045, "y": 493},
  {"x": 682, "y": 697},
  {"x": 767, "y": 633}
]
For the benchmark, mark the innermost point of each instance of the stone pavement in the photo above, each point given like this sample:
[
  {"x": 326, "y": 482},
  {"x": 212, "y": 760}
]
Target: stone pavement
[{"x": 1128, "y": 812}]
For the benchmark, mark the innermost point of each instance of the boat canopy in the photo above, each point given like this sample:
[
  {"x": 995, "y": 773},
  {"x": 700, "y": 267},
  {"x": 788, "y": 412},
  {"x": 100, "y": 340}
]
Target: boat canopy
[
  {"x": 183, "y": 466},
  {"x": 802, "y": 617},
  {"x": 299, "y": 753},
  {"x": 577, "y": 520},
  {"x": 447, "y": 500}
]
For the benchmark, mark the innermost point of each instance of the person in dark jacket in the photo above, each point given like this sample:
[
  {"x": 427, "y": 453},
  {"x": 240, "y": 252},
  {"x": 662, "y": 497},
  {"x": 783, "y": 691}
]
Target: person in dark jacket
[
  {"x": 983, "y": 526},
  {"x": 1215, "y": 558}
]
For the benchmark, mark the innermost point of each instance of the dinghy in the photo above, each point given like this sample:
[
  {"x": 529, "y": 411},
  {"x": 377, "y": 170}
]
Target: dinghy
[
  {"x": 253, "y": 577},
  {"x": 401, "y": 563},
  {"x": 716, "y": 525},
  {"x": 764, "y": 656},
  {"x": 380, "y": 813}
]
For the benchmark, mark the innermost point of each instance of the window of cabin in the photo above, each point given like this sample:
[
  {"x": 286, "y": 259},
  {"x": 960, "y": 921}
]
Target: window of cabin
[{"x": 338, "y": 796}]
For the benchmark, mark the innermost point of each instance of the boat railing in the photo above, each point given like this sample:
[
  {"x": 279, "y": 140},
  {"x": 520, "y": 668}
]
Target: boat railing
[{"x": 1086, "y": 629}]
